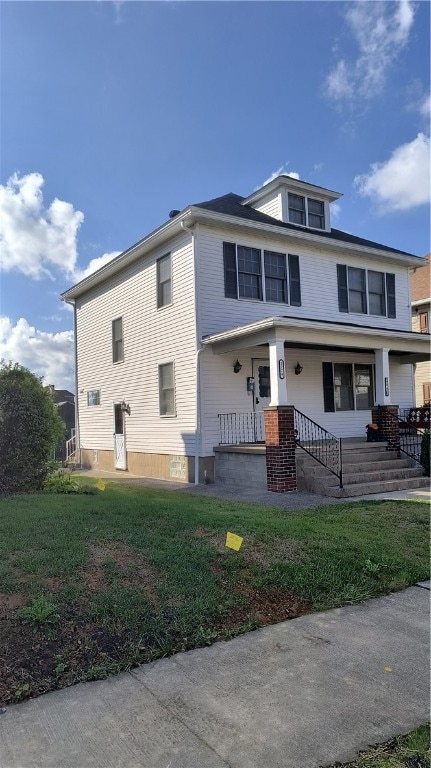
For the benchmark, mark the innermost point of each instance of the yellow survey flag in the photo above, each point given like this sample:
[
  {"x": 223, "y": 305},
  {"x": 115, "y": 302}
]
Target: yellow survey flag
[
  {"x": 100, "y": 485},
  {"x": 233, "y": 541}
]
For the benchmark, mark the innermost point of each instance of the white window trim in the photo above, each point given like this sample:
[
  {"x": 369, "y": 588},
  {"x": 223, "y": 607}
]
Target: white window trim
[
  {"x": 120, "y": 317},
  {"x": 94, "y": 405},
  {"x": 174, "y": 414},
  {"x": 262, "y": 276},
  {"x": 325, "y": 228},
  {"x": 164, "y": 306},
  {"x": 367, "y": 297},
  {"x": 373, "y": 386}
]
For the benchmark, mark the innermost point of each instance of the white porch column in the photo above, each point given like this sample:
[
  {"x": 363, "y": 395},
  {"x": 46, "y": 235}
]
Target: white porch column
[
  {"x": 383, "y": 389},
  {"x": 277, "y": 372}
]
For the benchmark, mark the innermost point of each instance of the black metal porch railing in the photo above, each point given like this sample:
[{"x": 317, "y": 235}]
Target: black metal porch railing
[
  {"x": 409, "y": 439},
  {"x": 320, "y": 444},
  {"x": 239, "y": 428}
]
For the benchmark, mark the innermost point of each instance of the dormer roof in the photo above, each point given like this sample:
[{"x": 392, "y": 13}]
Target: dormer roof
[{"x": 296, "y": 186}]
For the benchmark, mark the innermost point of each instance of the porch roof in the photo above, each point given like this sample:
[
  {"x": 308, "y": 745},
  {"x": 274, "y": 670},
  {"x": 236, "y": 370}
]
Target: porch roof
[{"x": 310, "y": 332}]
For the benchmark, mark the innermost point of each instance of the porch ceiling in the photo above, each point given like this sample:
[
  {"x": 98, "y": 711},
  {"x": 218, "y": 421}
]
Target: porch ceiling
[{"x": 300, "y": 333}]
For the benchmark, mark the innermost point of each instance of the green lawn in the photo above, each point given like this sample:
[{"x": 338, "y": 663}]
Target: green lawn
[
  {"x": 90, "y": 585},
  {"x": 411, "y": 751}
]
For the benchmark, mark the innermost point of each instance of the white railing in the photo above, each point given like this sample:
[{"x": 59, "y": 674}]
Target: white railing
[
  {"x": 240, "y": 428},
  {"x": 70, "y": 447}
]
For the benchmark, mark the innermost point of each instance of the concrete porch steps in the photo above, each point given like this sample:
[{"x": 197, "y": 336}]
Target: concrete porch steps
[{"x": 367, "y": 468}]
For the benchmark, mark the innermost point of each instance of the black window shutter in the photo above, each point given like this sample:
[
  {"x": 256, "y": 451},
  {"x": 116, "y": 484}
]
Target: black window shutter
[
  {"x": 229, "y": 259},
  {"x": 343, "y": 294},
  {"x": 390, "y": 294},
  {"x": 294, "y": 281},
  {"x": 328, "y": 387}
]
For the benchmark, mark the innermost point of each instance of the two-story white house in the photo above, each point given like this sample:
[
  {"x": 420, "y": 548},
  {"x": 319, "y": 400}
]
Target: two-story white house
[{"x": 233, "y": 305}]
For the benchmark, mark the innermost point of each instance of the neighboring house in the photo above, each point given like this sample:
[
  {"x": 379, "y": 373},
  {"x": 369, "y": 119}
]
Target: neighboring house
[
  {"x": 232, "y": 305},
  {"x": 420, "y": 294},
  {"x": 65, "y": 402}
]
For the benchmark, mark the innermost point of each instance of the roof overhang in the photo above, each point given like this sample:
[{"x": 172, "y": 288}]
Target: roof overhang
[
  {"x": 295, "y": 185},
  {"x": 414, "y": 347},
  {"x": 193, "y": 214}
]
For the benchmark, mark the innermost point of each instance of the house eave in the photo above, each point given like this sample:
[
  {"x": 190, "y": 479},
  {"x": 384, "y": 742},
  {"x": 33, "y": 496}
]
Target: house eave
[
  {"x": 299, "y": 237},
  {"x": 156, "y": 238},
  {"x": 319, "y": 331},
  {"x": 296, "y": 185}
]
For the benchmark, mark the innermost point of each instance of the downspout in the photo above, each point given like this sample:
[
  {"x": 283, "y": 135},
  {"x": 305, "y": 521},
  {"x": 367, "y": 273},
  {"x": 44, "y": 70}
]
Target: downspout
[
  {"x": 75, "y": 347},
  {"x": 198, "y": 352}
]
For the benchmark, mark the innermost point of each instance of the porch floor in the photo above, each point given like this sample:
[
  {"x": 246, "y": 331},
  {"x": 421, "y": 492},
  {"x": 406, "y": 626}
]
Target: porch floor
[{"x": 347, "y": 443}]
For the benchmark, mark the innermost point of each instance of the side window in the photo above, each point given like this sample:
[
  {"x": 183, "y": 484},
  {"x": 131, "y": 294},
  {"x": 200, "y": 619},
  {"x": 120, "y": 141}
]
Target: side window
[
  {"x": 93, "y": 397},
  {"x": 164, "y": 281},
  {"x": 167, "y": 390},
  {"x": 117, "y": 340}
]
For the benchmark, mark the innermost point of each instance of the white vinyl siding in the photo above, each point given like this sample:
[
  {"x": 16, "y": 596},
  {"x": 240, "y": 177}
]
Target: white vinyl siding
[
  {"x": 271, "y": 205},
  {"x": 319, "y": 287},
  {"x": 151, "y": 337}
]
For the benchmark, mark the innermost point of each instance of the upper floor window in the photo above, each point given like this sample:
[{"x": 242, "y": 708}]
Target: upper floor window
[
  {"x": 306, "y": 211},
  {"x": 164, "y": 281},
  {"x": 423, "y": 322},
  {"x": 365, "y": 291},
  {"x": 93, "y": 397},
  {"x": 117, "y": 340},
  {"x": 250, "y": 273},
  {"x": 167, "y": 390}
]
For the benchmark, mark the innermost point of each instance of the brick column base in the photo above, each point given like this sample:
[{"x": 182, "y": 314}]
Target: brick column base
[
  {"x": 389, "y": 428},
  {"x": 280, "y": 448}
]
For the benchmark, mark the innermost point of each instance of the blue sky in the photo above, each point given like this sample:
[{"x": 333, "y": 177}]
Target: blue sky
[{"x": 113, "y": 113}]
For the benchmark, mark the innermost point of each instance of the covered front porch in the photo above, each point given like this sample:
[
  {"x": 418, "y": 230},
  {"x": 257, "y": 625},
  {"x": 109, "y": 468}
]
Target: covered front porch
[{"x": 331, "y": 375}]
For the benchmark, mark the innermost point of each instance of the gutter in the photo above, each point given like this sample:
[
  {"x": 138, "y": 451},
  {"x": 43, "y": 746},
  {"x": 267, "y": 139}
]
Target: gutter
[
  {"x": 199, "y": 349},
  {"x": 75, "y": 351}
]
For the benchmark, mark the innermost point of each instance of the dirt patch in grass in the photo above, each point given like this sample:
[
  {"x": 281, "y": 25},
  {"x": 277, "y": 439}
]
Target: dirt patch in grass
[
  {"x": 253, "y": 550},
  {"x": 10, "y": 601},
  {"x": 115, "y": 560}
]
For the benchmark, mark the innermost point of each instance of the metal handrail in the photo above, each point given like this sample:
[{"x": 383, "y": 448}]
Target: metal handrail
[
  {"x": 409, "y": 438},
  {"x": 322, "y": 445},
  {"x": 70, "y": 447},
  {"x": 241, "y": 428}
]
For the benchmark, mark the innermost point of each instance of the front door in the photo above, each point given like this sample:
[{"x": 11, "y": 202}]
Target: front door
[
  {"x": 120, "y": 456},
  {"x": 262, "y": 394}
]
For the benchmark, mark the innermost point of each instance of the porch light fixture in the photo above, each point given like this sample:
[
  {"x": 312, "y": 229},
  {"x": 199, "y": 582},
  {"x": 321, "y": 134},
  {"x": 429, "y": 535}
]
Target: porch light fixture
[
  {"x": 237, "y": 366},
  {"x": 125, "y": 407},
  {"x": 298, "y": 369}
]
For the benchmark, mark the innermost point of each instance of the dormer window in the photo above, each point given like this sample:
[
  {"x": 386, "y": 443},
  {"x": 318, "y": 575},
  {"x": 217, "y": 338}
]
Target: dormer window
[{"x": 306, "y": 211}]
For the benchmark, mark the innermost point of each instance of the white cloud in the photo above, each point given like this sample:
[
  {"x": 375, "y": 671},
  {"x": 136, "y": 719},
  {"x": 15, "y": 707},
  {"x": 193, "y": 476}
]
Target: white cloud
[
  {"x": 381, "y": 30},
  {"x": 425, "y": 107},
  {"x": 49, "y": 355},
  {"x": 403, "y": 181},
  {"x": 94, "y": 265},
  {"x": 39, "y": 241},
  {"x": 335, "y": 211},
  {"x": 279, "y": 172},
  {"x": 35, "y": 239}
]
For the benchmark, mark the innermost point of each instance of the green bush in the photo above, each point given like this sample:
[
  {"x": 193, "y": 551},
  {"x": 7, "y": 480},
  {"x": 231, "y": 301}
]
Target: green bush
[
  {"x": 41, "y": 609},
  {"x": 30, "y": 428},
  {"x": 425, "y": 451},
  {"x": 62, "y": 482}
]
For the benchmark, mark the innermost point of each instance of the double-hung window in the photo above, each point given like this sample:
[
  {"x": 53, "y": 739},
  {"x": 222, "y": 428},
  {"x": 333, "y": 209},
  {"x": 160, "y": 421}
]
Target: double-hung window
[
  {"x": 348, "y": 386},
  {"x": 423, "y": 322},
  {"x": 93, "y": 397},
  {"x": 250, "y": 273},
  {"x": 306, "y": 211},
  {"x": 117, "y": 340},
  {"x": 167, "y": 390},
  {"x": 366, "y": 291},
  {"x": 164, "y": 281}
]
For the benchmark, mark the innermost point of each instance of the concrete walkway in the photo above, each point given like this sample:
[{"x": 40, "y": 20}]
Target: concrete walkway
[
  {"x": 288, "y": 501},
  {"x": 300, "y": 694}
]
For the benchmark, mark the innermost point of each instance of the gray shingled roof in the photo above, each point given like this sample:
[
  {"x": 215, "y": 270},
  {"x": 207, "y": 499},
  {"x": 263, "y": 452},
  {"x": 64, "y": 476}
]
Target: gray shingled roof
[{"x": 232, "y": 205}]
